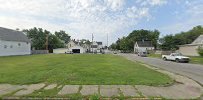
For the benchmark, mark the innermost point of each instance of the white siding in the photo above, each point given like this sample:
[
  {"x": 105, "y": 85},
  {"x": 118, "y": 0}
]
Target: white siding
[
  {"x": 60, "y": 50},
  {"x": 8, "y": 48},
  {"x": 189, "y": 50}
]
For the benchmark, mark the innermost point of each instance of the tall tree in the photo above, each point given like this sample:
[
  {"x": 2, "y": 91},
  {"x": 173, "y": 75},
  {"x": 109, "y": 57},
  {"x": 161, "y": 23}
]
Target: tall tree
[
  {"x": 172, "y": 41},
  {"x": 63, "y": 36},
  {"x": 38, "y": 38}
]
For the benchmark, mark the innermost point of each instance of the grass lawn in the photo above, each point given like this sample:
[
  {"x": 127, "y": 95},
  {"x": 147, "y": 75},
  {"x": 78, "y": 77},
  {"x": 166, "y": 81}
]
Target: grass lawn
[
  {"x": 197, "y": 60},
  {"x": 77, "y": 69},
  {"x": 154, "y": 55}
]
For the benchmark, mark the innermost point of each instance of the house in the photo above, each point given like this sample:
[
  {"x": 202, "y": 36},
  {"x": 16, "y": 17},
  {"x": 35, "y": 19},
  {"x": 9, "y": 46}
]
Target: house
[
  {"x": 74, "y": 47},
  {"x": 14, "y": 42},
  {"x": 143, "y": 46},
  {"x": 96, "y": 47},
  {"x": 191, "y": 49},
  {"x": 72, "y": 43}
]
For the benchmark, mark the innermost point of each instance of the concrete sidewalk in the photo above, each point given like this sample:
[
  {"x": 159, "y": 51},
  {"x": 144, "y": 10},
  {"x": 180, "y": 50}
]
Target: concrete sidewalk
[{"x": 184, "y": 88}]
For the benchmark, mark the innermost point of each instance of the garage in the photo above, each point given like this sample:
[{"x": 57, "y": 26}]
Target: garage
[{"x": 76, "y": 50}]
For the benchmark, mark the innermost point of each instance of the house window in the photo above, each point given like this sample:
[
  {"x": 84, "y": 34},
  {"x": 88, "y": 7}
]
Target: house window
[
  {"x": 19, "y": 44},
  {"x": 5, "y": 46},
  {"x": 11, "y": 46},
  {"x": 27, "y": 42}
]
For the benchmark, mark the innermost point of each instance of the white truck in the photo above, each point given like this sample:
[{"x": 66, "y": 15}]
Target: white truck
[{"x": 178, "y": 57}]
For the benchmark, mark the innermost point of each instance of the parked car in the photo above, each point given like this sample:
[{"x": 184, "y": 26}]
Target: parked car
[
  {"x": 142, "y": 54},
  {"x": 178, "y": 57}
]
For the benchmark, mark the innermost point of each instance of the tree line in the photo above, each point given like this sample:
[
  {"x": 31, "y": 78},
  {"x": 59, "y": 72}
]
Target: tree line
[
  {"x": 168, "y": 42},
  {"x": 171, "y": 42},
  {"x": 38, "y": 38},
  {"x": 126, "y": 44}
]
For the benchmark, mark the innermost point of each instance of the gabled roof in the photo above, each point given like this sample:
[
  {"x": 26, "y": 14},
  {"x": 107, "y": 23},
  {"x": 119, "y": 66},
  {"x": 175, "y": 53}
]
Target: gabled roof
[
  {"x": 13, "y": 35},
  {"x": 144, "y": 43},
  {"x": 199, "y": 40},
  {"x": 99, "y": 43}
]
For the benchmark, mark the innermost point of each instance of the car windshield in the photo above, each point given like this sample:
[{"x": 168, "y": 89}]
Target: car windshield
[{"x": 177, "y": 54}]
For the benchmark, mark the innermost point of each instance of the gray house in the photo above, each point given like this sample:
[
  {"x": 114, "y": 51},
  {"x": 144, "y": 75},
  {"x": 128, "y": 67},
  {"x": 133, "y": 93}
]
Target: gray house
[
  {"x": 191, "y": 49},
  {"x": 14, "y": 42}
]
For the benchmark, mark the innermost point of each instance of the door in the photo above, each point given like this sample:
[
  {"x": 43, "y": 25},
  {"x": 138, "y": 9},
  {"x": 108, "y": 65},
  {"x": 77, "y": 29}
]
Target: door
[{"x": 76, "y": 50}]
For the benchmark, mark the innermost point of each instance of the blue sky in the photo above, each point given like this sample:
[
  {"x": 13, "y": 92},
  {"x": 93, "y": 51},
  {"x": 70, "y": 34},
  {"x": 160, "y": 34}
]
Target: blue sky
[{"x": 117, "y": 18}]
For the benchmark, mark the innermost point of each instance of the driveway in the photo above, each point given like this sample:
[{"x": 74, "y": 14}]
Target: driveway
[{"x": 193, "y": 71}]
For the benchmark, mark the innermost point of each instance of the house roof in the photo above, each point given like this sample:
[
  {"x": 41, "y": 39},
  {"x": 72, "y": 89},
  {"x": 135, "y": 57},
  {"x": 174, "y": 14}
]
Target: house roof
[
  {"x": 144, "y": 43},
  {"x": 99, "y": 43},
  {"x": 199, "y": 40},
  {"x": 13, "y": 35}
]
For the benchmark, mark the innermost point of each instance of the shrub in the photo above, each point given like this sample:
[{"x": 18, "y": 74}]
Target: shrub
[{"x": 200, "y": 51}]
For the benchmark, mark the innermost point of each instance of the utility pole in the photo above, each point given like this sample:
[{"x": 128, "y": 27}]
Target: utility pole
[
  {"x": 46, "y": 44},
  {"x": 92, "y": 42},
  {"x": 107, "y": 41}
]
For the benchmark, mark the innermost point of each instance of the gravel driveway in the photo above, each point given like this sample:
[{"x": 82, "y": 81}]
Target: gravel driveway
[{"x": 193, "y": 71}]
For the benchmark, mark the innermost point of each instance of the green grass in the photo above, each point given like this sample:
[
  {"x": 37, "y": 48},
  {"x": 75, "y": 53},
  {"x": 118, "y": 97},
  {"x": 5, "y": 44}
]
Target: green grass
[
  {"x": 197, "y": 60},
  {"x": 77, "y": 69},
  {"x": 154, "y": 55}
]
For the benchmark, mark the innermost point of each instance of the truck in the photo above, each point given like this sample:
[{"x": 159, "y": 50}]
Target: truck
[{"x": 177, "y": 57}]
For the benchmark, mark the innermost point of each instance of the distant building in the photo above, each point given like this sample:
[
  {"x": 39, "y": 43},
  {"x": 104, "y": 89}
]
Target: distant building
[
  {"x": 96, "y": 47},
  {"x": 14, "y": 42},
  {"x": 74, "y": 47},
  {"x": 191, "y": 49},
  {"x": 143, "y": 46}
]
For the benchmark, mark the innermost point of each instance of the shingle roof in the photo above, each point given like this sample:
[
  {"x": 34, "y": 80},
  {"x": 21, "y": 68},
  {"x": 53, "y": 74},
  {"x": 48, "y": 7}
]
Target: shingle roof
[
  {"x": 199, "y": 40},
  {"x": 13, "y": 35},
  {"x": 144, "y": 43}
]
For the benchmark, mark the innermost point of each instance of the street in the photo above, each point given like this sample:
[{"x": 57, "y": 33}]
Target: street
[{"x": 193, "y": 71}]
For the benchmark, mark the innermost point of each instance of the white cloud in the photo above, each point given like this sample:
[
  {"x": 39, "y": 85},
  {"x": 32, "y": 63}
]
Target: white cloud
[{"x": 79, "y": 17}]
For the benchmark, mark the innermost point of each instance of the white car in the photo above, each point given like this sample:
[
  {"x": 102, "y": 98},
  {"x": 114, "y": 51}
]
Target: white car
[{"x": 178, "y": 57}]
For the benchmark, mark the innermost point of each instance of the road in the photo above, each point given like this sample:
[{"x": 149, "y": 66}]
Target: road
[{"x": 193, "y": 71}]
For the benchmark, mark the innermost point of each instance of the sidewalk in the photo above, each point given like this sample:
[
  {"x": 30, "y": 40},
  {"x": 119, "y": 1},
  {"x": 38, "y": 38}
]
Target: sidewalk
[{"x": 183, "y": 88}]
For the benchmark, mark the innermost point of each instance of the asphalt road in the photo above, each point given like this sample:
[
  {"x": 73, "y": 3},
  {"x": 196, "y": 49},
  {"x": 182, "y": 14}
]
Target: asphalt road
[{"x": 193, "y": 71}]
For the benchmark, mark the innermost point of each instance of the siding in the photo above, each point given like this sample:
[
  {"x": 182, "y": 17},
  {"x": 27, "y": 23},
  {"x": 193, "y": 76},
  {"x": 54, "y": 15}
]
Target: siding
[
  {"x": 13, "y": 48},
  {"x": 189, "y": 50}
]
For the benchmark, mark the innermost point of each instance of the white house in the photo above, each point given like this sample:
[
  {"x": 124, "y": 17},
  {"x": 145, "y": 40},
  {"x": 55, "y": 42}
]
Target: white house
[
  {"x": 77, "y": 49},
  {"x": 96, "y": 47},
  {"x": 72, "y": 46},
  {"x": 143, "y": 46},
  {"x": 14, "y": 42},
  {"x": 191, "y": 49}
]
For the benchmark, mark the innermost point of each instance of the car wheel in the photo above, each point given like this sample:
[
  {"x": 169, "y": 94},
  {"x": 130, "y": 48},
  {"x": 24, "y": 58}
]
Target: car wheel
[
  {"x": 164, "y": 59},
  {"x": 177, "y": 60}
]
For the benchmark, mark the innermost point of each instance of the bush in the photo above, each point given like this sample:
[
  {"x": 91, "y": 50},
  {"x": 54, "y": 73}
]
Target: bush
[{"x": 200, "y": 51}]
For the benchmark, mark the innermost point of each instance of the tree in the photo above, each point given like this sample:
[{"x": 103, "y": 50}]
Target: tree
[
  {"x": 113, "y": 46},
  {"x": 37, "y": 36},
  {"x": 171, "y": 42},
  {"x": 38, "y": 39},
  {"x": 62, "y": 35},
  {"x": 127, "y": 43},
  {"x": 200, "y": 51},
  {"x": 55, "y": 42}
]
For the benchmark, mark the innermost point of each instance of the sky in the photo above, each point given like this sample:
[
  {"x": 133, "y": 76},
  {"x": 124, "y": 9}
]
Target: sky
[{"x": 117, "y": 18}]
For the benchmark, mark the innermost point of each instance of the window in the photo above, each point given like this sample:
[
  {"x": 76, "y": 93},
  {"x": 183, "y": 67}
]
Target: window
[
  {"x": 19, "y": 44},
  {"x": 27, "y": 42},
  {"x": 5, "y": 46},
  {"x": 11, "y": 46}
]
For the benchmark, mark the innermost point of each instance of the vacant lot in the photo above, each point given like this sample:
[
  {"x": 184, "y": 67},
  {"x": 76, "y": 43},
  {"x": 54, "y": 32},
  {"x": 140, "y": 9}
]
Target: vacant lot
[{"x": 77, "y": 69}]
